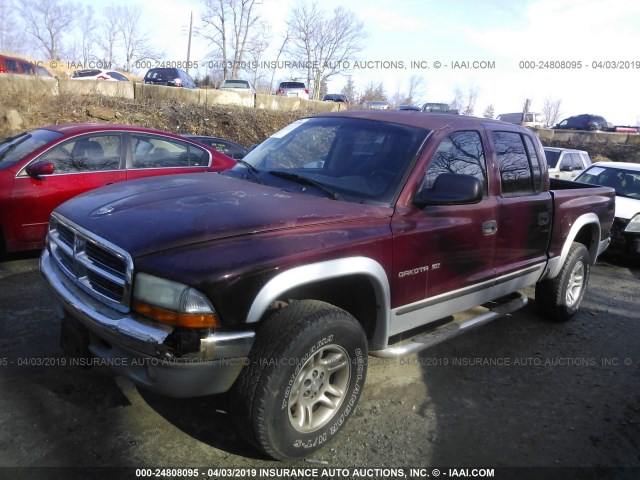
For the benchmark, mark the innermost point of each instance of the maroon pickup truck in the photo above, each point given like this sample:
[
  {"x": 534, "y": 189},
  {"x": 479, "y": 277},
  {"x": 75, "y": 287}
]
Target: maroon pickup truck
[{"x": 341, "y": 236}]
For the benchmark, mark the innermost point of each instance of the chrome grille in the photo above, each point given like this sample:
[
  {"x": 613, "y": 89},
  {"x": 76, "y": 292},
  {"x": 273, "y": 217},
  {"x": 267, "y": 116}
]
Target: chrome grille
[{"x": 100, "y": 268}]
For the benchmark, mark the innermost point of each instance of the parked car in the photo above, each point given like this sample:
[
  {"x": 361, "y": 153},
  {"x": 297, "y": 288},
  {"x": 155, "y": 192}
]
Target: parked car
[
  {"x": 98, "y": 74},
  {"x": 42, "y": 168},
  {"x": 228, "y": 147},
  {"x": 376, "y": 105},
  {"x": 410, "y": 108},
  {"x": 439, "y": 108},
  {"x": 293, "y": 89},
  {"x": 21, "y": 66},
  {"x": 342, "y": 235},
  {"x": 566, "y": 163},
  {"x": 336, "y": 97},
  {"x": 526, "y": 119},
  {"x": 170, "y": 77},
  {"x": 236, "y": 85},
  {"x": 584, "y": 122},
  {"x": 625, "y": 179}
]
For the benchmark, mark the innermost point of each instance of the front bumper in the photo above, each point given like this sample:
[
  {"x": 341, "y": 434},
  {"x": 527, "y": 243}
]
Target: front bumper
[{"x": 136, "y": 349}]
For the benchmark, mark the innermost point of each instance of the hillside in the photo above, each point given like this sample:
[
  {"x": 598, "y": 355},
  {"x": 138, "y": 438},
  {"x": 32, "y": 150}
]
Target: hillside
[{"x": 244, "y": 125}]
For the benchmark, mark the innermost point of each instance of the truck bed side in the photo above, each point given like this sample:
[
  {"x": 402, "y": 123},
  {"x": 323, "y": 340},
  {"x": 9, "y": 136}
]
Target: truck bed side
[{"x": 578, "y": 215}]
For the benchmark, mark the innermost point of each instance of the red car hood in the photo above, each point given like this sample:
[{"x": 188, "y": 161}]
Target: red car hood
[{"x": 153, "y": 214}]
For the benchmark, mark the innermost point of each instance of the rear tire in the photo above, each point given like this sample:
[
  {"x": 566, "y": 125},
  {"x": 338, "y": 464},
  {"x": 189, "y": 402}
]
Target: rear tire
[
  {"x": 559, "y": 298},
  {"x": 305, "y": 375}
]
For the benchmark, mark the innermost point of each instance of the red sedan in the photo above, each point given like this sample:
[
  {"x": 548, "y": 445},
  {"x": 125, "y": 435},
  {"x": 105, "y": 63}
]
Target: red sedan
[{"x": 43, "y": 168}]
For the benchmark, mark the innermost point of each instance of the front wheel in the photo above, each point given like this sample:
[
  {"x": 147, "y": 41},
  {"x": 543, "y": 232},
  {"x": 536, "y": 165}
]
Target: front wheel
[
  {"x": 305, "y": 375},
  {"x": 559, "y": 298}
]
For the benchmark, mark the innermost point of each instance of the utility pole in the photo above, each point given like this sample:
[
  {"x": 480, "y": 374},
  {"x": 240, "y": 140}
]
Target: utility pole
[{"x": 189, "y": 44}]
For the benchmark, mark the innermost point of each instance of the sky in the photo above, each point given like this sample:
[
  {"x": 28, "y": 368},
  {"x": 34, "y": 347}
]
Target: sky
[{"x": 584, "y": 52}]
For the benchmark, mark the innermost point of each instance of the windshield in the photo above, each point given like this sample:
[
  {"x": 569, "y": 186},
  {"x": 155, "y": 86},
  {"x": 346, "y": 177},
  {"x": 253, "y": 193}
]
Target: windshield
[
  {"x": 625, "y": 182},
  {"x": 348, "y": 159},
  {"x": 552, "y": 158},
  {"x": 15, "y": 148}
]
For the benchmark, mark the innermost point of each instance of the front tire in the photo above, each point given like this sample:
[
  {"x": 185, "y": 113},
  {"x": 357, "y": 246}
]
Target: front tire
[
  {"x": 305, "y": 375},
  {"x": 559, "y": 298}
]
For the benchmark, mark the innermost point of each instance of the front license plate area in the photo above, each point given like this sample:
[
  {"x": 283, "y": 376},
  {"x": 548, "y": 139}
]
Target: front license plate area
[{"x": 74, "y": 340}]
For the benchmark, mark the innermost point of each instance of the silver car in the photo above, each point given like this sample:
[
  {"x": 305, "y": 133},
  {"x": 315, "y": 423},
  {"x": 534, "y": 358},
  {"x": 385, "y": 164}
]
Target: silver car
[
  {"x": 293, "y": 89},
  {"x": 566, "y": 163},
  {"x": 236, "y": 85}
]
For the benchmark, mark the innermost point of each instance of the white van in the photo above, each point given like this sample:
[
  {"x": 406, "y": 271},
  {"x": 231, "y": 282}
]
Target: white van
[{"x": 528, "y": 119}]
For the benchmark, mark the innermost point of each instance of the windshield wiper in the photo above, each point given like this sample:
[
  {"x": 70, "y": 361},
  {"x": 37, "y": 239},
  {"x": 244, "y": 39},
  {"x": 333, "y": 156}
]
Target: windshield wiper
[
  {"x": 12, "y": 147},
  {"x": 305, "y": 181},
  {"x": 253, "y": 170}
]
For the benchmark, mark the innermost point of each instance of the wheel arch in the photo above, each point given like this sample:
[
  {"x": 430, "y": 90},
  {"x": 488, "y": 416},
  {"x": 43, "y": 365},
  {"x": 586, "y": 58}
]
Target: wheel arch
[
  {"x": 585, "y": 230},
  {"x": 358, "y": 285}
]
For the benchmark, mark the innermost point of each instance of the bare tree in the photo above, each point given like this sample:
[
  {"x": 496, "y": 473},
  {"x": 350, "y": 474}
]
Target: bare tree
[
  {"x": 255, "y": 50},
  {"x": 11, "y": 33},
  {"x": 285, "y": 39},
  {"x": 87, "y": 27},
  {"x": 373, "y": 92},
  {"x": 107, "y": 39},
  {"x": 324, "y": 44},
  {"x": 46, "y": 21},
  {"x": 350, "y": 90},
  {"x": 457, "y": 103},
  {"x": 136, "y": 43},
  {"x": 228, "y": 25},
  {"x": 470, "y": 100},
  {"x": 415, "y": 89},
  {"x": 489, "y": 112},
  {"x": 551, "y": 111}
]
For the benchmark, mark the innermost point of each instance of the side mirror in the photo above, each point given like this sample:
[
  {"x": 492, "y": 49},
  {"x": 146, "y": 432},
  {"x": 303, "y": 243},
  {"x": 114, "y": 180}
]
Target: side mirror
[
  {"x": 39, "y": 169},
  {"x": 451, "y": 189},
  {"x": 566, "y": 168}
]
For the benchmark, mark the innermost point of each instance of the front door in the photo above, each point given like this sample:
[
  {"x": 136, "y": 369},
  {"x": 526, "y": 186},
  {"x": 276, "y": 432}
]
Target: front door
[
  {"x": 80, "y": 164},
  {"x": 444, "y": 249}
]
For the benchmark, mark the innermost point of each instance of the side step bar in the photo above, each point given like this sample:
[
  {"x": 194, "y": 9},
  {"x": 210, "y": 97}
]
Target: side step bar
[{"x": 452, "y": 329}]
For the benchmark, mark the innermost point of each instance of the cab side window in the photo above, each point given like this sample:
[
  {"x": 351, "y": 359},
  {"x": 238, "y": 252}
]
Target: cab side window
[
  {"x": 460, "y": 153},
  {"x": 520, "y": 172}
]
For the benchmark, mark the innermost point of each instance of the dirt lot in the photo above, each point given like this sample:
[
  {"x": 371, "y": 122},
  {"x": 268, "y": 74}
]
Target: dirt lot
[{"x": 518, "y": 392}]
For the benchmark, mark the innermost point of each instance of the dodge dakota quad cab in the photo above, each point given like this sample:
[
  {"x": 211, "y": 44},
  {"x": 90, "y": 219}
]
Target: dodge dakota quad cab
[{"x": 341, "y": 236}]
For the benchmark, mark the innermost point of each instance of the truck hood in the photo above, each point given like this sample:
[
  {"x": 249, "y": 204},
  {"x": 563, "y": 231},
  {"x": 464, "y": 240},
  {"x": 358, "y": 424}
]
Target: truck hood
[
  {"x": 153, "y": 214},
  {"x": 627, "y": 207}
]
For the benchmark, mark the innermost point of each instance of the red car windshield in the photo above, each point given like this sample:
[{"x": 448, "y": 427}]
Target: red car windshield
[{"x": 15, "y": 148}]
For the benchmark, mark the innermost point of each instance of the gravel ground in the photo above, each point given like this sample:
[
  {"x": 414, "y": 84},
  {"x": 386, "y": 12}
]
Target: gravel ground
[{"x": 519, "y": 392}]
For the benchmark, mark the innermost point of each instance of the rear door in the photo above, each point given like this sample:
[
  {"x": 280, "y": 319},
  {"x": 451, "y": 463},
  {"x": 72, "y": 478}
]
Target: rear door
[
  {"x": 80, "y": 164},
  {"x": 524, "y": 208},
  {"x": 152, "y": 155}
]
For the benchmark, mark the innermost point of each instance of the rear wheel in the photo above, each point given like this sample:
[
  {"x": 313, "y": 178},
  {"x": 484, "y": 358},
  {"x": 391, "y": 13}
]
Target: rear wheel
[
  {"x": 305, "y": 376},
  {"x": 559, "y": 298}
]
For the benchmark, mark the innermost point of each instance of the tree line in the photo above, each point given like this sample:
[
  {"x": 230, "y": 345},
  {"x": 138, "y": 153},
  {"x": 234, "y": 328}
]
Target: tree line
[{"x": 320, "y": 41}]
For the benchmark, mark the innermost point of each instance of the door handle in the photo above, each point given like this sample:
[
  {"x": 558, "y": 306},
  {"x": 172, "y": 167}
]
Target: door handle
[{"x": 489, "y": 227}]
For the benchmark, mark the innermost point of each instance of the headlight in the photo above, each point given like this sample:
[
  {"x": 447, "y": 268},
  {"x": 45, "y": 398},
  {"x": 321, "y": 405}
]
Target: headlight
[
  {"x": 172, "y": 303},
  {"x": 634, "y": 224}
]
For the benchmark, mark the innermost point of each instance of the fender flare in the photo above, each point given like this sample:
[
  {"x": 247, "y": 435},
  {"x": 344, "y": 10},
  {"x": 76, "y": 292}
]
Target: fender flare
[
  {"x": 314, "y": 272},
  {"x": 588, "y": 219}
]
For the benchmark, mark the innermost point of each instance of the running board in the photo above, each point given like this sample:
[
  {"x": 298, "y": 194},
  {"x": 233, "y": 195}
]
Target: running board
[{"x": 422, "y": 341}]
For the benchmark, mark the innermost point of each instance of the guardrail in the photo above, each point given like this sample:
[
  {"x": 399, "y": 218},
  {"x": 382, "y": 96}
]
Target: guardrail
[{"x": 27, "y": 84}]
